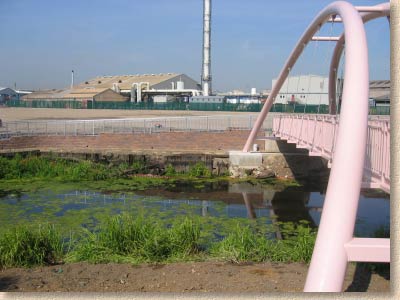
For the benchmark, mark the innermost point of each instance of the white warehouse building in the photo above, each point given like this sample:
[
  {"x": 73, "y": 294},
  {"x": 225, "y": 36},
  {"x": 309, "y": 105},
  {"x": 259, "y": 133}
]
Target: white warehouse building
[{"x": 303, "y": 89}]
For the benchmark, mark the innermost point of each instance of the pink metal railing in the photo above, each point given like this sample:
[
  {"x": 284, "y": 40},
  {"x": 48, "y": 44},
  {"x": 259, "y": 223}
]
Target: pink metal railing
[{"x": 317, "y": 134}]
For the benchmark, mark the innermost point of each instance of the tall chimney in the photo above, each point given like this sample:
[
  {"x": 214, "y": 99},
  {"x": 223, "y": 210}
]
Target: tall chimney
[
  {"x": 72, "y": 79},
  {"x": 206, "y": 73}
]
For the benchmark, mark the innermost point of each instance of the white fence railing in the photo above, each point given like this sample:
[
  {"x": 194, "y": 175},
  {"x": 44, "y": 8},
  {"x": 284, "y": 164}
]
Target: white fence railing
[{"x": 131, "y": 125}]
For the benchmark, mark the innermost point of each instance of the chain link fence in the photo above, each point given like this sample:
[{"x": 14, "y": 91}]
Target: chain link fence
[
  {"x": 130, "y": 126},
  {"x": 229, "y": 107}
]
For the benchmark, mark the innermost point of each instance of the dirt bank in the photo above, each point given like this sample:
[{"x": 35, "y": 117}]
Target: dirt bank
[{"x": 179, "y": 277}]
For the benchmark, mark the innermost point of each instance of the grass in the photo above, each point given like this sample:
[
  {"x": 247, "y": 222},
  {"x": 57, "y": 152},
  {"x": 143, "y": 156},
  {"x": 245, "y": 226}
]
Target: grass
[
  {"x": 125, "y": 239},
  {"x": 24, "y": 246},
  {"x": 33, "y": 166},
  {"x": 243, "y": 244}
]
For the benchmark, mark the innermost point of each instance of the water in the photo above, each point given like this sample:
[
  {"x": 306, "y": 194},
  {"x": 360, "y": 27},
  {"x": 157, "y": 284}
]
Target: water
[{"x": 218, "y": 206}]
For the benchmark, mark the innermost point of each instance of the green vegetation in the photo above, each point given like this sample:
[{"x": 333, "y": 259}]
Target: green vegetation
[
  {"x": 125, "y": 239},
  {"x": 243, "y": 244},
  {"x": 110, "y": 236},
  {"x": 24, "y": 247},
  {"x": 47, "y": 167},
  {"x": 199, "y": 170}
]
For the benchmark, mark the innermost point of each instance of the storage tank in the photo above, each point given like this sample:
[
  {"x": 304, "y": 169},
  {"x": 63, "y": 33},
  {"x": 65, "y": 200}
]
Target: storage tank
[
  {"x": 180, "y": 85},
  {"x": 253, "y": 91}
]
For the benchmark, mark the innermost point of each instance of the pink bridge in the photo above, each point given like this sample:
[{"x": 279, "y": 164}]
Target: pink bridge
[
  {"x": 356, "y": 145},
  {"x": 317, "y": 134}
]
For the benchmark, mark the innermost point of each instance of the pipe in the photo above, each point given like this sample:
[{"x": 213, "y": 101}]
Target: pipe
[
  {"x": 337, "y": 53},
  {"x": 194, "y": 92},
  {"x": 325, "y": 38},
  {"x": 134, "y": 89}
]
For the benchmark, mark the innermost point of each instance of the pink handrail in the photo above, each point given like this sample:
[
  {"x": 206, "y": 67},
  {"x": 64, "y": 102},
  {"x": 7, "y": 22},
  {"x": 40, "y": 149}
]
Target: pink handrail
[{"x": 317, "y": 134}]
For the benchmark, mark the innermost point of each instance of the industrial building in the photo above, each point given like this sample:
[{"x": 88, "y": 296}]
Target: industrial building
[
  {"x": 379, "y": 92},
  {"x": 76, "y": 94},
  {"x": 147, "y": 87},
  {"x": 303, "y": 89},
  {"x": 7, "y": 94}
]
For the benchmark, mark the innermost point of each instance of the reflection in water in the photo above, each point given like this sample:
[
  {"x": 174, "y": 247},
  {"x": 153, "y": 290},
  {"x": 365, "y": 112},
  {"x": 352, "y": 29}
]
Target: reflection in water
[{"x": 239, "y": 200}]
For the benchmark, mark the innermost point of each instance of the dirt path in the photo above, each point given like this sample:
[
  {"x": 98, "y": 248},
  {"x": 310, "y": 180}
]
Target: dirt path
[{"x": 178, "y": 277}]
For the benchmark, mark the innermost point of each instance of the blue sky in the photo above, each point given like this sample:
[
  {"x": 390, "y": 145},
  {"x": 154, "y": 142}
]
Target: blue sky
[{"x": 42, "y": 41}]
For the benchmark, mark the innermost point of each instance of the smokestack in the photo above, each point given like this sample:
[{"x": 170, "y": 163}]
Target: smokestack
[
  {"x": 206, "y": 73},
  {"x": 72, "y": 79}
]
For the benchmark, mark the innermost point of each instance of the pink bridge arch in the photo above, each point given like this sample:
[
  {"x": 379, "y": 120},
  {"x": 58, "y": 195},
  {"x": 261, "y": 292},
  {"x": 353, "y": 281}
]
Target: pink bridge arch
[{"x": 335, "y": 245}]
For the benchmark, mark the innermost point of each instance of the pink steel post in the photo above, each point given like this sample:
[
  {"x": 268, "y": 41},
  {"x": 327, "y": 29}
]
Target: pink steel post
[
  {"x": 329, "y": 260},
  {"x": 383, "y": 11}
]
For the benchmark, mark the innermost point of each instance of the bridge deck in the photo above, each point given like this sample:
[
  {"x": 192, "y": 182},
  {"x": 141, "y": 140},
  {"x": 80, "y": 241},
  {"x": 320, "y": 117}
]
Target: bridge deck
[{"x": 318, "y": 133}]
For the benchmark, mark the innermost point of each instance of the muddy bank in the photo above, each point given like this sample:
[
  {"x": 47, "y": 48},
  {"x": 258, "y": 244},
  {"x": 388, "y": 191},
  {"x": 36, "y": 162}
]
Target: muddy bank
[{"x": 179, "y": 278}]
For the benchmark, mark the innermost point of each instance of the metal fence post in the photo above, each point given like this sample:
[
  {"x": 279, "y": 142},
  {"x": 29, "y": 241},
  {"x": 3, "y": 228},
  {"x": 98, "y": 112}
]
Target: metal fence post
[
  {"x": 92, "y": 127},
  {"x": 65, "y": 128}
]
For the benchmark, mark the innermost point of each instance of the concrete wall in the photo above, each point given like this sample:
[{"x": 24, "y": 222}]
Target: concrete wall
[{"x": 279, "y": 159}]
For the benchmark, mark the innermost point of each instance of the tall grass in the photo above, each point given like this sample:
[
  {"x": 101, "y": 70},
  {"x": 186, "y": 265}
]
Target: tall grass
[
  {"x": 24, "y": 246},
  {"x": 33, "y": 166},
  {"x": 124, "y": 238},
  {"x": 244, "y": 244}
]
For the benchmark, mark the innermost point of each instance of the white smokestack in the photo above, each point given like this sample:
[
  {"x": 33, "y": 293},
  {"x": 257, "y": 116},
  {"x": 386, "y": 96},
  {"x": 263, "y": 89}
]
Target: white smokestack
[
  {"x": 206, "y": 74},
  {"x": 72, "y": 79}
]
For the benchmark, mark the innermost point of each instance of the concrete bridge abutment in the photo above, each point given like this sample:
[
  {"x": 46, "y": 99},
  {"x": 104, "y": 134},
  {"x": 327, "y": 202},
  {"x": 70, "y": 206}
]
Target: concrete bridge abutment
[{"x": 279, "y": 159}]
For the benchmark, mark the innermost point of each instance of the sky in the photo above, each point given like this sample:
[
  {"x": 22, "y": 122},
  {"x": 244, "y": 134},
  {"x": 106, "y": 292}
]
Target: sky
[{"x": 42, "y": 41}]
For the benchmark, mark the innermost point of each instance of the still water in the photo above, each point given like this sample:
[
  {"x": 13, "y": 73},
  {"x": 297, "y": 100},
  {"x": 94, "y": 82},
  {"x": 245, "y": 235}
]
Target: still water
[{"x": 242, "y": 202}]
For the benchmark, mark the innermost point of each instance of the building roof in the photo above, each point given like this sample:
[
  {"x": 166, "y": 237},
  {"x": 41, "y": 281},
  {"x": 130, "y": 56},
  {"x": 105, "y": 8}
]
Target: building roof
[
  {"x": 44, "y": 94},
  {"x": 6, "y": 88},
  {"x": 125, "y": 81},
  {"x": 75, "y": 93},
  {"x": 379, "y": 84},
  {"x": 82, "y": 93},
  {"x": 379, "y": 89}
]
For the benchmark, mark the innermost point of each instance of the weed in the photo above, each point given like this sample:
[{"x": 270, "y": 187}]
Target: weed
[
  {"x": 170, "y": 170},
  {"x": 199, "y": 170},
  {"x": 138, "y": 239},
  {"x": 244, "y": 244},
  {"x": 24, "y": 246}
]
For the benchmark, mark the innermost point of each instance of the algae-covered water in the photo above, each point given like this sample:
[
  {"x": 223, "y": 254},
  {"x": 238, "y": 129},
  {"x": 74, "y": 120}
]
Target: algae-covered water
[{"x": 218, "y": 206}]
